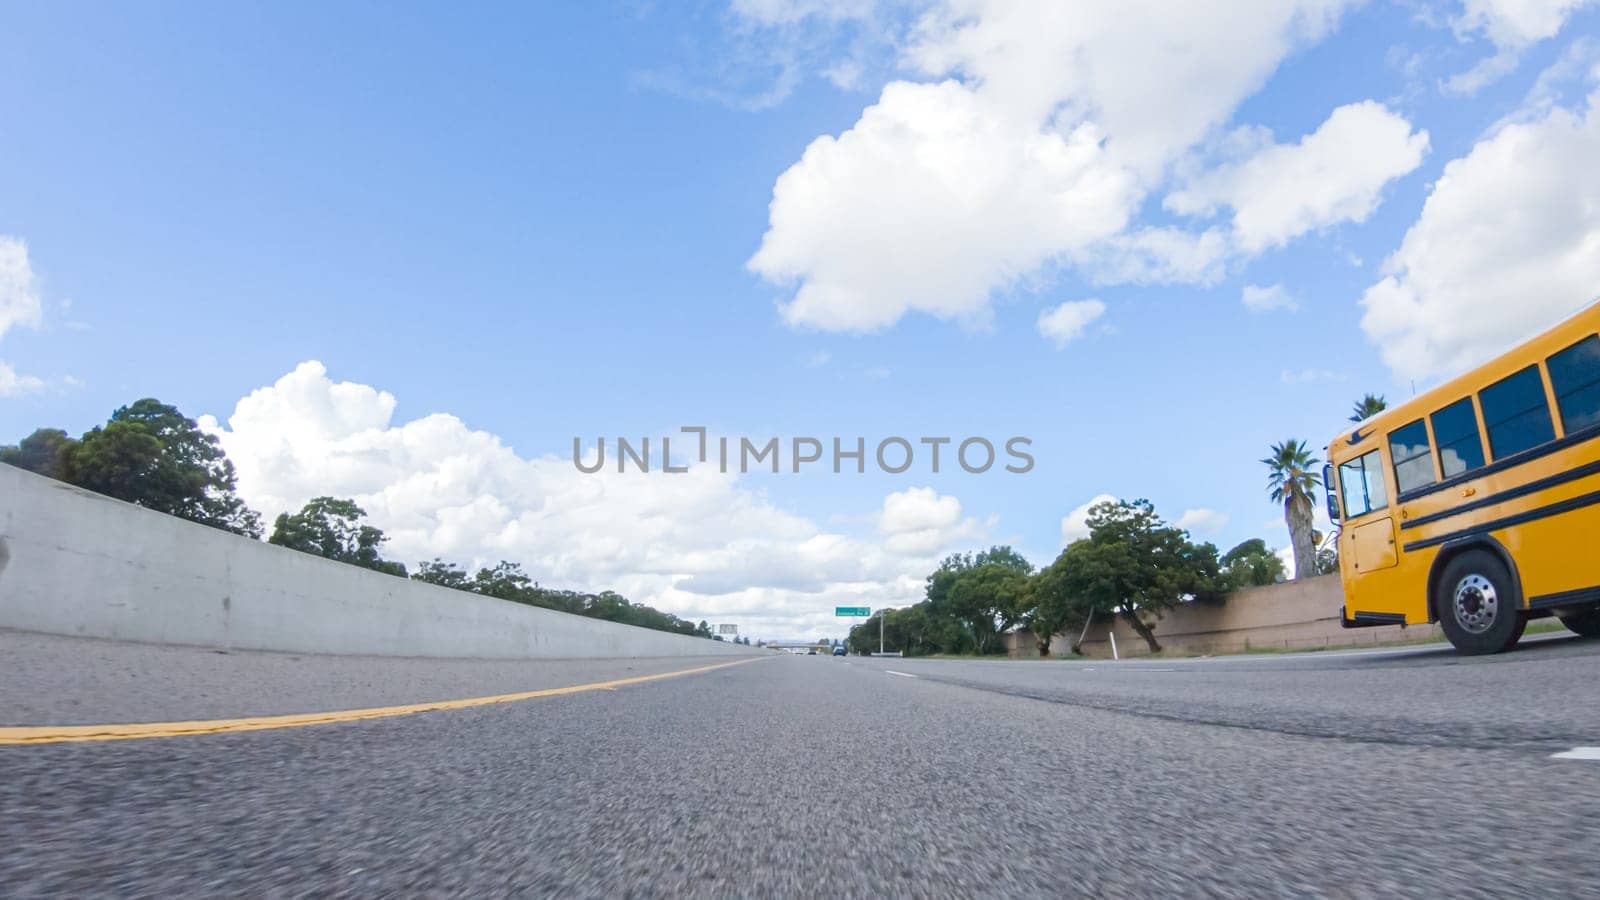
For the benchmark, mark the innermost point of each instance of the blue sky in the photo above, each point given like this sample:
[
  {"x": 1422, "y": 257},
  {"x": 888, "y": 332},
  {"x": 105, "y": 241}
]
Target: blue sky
[{"x": 542, "y": 221}]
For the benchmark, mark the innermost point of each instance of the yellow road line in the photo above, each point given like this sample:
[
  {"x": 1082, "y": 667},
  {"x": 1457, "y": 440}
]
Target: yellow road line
[{"x": 63, "y": 734}]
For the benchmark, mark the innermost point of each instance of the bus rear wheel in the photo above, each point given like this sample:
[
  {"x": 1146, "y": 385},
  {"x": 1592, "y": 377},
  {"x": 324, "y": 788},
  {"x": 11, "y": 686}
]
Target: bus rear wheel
[
  {"x": 1477, "y": 604},
  {"x": 1586, "y": 623}
]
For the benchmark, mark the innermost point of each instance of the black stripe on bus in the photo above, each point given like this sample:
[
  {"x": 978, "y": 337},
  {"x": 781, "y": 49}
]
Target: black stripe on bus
[
  {"x": 1500, "y": 465},
  {"x": 1532, "y": 515},
  {"x": 1522, "y": 490},
  {"x": 1565, "y": 598}
]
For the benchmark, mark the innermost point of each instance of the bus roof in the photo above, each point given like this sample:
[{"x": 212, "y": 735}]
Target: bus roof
[{"x": 1558, "y": 337}]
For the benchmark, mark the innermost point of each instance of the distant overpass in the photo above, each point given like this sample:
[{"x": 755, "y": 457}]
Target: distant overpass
[{"x": 821, "y": 644}]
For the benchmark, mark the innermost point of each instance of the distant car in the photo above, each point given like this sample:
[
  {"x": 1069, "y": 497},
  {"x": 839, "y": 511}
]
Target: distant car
[
  {"x": 812, "y": 652},
  {"x": 838, "y": 651}
]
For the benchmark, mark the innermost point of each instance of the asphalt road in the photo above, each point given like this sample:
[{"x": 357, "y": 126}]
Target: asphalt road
[{"x": 1416, "y": 773}]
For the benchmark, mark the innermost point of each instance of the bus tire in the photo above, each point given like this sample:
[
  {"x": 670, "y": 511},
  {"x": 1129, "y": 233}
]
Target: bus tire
[
  {"x": 1477, "y": 604},
  {"x": 1586, "y": 623}
]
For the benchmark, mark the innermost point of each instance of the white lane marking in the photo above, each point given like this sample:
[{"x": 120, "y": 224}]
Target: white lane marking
[
  {"x": 901, "y": 674},
  {"x": 1589, "y": 753}
]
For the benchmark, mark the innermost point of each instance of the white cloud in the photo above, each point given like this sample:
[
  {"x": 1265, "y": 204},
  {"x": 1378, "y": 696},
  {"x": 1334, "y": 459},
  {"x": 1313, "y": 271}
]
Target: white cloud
[
  {"x": 1042, "y": 131},
  {"x": 1516, "y": 23},
  {"x": 14, "y": 385},
  {"x": 930, "y": 202},
  {"x": 1335, "y": 174},
  {"x": 1158, "y": 256},
  {"x": 1067, "y": 322},
  {"x": 1203, "y": 521},
  {"x": 920, "y": 522},
  {"x": 19, "y": 291},
  {"x": 1306, "y": 376},
  {"x": 19, "y": 307},
  {"x": 1265, "y": 299},
  {"x": 698, "y": 544},
  {"x": 1059, "y": 64},
  {"x": 1286, "y": 556},
  {"x": 1512, "y": 26},
  {"x": 1075, "y": 525},
  {"x": 1508, "y": 242}
]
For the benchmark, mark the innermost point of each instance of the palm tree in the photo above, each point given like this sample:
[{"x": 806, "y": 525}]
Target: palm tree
[
  {"x": 1293, "y": 483},
  {"x": 1367, "y": 407}
]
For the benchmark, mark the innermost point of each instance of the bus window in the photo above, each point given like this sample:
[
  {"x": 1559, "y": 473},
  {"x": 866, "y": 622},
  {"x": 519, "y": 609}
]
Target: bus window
[
  {"x": 1456, "y": 430},
  {"x": 1575, "y": 374},
  {"x": 1516, "y": 413},
  {"x": 1361, "y": 485},
  {"x": 1412, "y": 455}
]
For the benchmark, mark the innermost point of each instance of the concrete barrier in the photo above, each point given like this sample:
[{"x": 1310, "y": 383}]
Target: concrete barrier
[
  {"x": 1295, "y": 615},
  {"x": 74, "y": 562}
]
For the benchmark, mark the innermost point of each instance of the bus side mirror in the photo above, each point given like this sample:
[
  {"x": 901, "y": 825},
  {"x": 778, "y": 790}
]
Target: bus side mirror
[{"x": 1327, "y": 491}]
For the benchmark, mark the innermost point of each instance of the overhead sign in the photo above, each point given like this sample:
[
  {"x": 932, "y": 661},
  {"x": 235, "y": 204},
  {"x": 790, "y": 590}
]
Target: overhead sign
[
  {"x": 727, "y": 629},
  {"x": 852, "y": 611}
]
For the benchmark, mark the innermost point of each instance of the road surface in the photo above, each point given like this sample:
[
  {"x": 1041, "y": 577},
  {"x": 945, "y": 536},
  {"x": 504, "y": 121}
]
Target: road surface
[{"x": 1409, "y": 773}]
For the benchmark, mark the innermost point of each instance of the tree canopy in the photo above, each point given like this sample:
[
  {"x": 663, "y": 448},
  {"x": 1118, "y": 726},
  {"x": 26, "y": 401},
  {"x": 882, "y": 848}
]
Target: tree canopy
[
  {"x": 148, "y": 453},
  {"x": 1292, "y": 481},
  {"x": 1251, "y": 564},
  {"x": 985, "y": 592},
  {"x": 334, "y": 529},
  {"x": 1367, "y": 407},
  {"x": 1135, "y": 565},
  {"x": 44, "y": 452},
  {"x": 507, "y": 581}
]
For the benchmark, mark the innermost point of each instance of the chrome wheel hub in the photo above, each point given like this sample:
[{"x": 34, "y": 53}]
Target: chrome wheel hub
[{"x": 1476, "y": 604}]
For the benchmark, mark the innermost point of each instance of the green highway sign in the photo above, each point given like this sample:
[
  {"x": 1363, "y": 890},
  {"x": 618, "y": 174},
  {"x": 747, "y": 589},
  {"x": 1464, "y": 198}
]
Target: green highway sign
[{"x": 852, "y": 611}]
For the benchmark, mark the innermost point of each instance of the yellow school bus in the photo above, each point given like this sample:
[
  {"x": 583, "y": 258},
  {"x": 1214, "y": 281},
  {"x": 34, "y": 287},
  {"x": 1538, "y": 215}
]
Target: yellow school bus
[{"x": 1477, "y": 504}]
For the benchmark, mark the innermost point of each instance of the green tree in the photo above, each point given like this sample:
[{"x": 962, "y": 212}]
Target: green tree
[
  {"x": 334, "y": 529},
  {"x": 1367, "y": 407},
  {"x": 1251, "y": 564},
  {"x": 985, "y": 592},
  {"x": 152, "y": 455},
  {"x": 914, "y": 630},
  {"x": 1292, "y": 481},
  {"x": 1135, "y": 565},
  {"x": 44, "y": 452},
  {"x": 443, "y": 574},
  {"x": 506, "y": 581},
  {"x": 1055, "y": 607}
]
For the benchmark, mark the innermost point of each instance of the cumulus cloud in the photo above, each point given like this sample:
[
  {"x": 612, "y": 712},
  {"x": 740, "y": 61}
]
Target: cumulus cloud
[
  {"x": 1335, "y": 174},
  {"x": 19, "y": 291},
  {"x": 1203, "y": 521},
  {"x": 931, "y": 201},
  {"x": 15, "y": 385},
  {"x": 19, "y": 307},
  {"x": 1512, "y": 26},
  {"x": 1039, "y": 134},
  {"x": 1075, "y": 524},
  {"x": 697, "y": 544},
  {"x": 1065, "y": 323},
  {"x": 920, "y": 522},
  {"x": 1266, "y": 299},
  {"x": 1507, "y": 243}
]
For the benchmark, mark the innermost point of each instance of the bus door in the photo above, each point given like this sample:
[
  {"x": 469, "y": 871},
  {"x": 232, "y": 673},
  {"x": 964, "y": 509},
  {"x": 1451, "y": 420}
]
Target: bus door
[{"x": 1369, "y": 531}]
